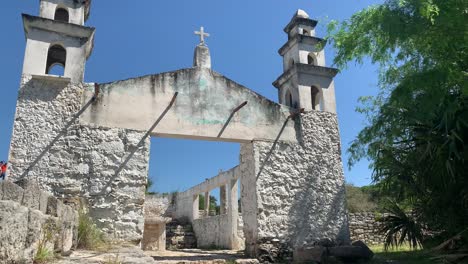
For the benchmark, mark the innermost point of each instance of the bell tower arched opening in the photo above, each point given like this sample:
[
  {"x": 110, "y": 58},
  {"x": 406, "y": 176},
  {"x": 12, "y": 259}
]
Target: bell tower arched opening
[
  {"x": 311, "y": 59},
  {"x": 57, "y": 56},
  {"x": 288, "y": 98},
  {"x": 61, "y": 14},
  {"x": 315, "y": 94}
]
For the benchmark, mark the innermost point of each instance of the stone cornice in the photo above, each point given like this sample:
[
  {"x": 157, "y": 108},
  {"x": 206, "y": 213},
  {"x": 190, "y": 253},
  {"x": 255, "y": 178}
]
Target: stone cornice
[
  {"x": 299, "y": 39},
  {"x": 301, "y": 68},
  {"x": 64, "y": 28},
  {"x": 302, "y": 21},
  {"x": 67, "y": 29}
]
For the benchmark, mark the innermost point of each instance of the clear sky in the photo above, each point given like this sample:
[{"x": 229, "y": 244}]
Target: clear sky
[{"x": 136, "y": 38}]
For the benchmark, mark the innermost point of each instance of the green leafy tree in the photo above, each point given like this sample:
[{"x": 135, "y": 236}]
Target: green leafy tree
[
  {"x": 149, "y": 185},
  {"x": 417, "y": 131},
  {"x": 359, "y": 200},
  {"x": 213, "y": 203}
]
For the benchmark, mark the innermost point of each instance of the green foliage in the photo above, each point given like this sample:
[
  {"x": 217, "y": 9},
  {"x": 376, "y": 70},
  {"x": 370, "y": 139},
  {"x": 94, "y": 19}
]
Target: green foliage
[
  {"x": 89, "y": 236},
  {"x": 359, "y": 200},
  {"x": 43, "y": 254},
  {"x": 213, "y": 202},
  {"x": 403, "y": 255},
  {"x": 417, "y": 131},
  {"x": 401, "y": 227},
  {"x": 149, "y": 184}
]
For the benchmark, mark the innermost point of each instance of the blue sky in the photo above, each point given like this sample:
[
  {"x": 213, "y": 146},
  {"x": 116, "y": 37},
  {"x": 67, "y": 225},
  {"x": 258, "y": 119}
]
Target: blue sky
[{"x": 135, "y": 38}]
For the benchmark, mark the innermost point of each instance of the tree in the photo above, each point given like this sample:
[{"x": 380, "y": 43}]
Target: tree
[
  {"x": 149, "y": 185},
  {"x": 417, "y": 131},
  {"x": 358, "y": 200},
  {"x": 213, "y": 203}
]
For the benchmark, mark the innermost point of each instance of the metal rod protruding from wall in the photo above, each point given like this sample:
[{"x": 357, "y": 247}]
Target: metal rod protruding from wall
[
  {"x": 147, "y": 134},
  {"x": 230, "y": 117},
  {"x": 291, "y": 116}
]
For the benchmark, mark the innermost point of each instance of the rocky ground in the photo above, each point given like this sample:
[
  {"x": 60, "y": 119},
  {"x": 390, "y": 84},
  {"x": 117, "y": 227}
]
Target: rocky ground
[{"x": 134, "y": 255}]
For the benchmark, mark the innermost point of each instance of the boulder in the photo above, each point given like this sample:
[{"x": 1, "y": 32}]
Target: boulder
[
  {"x": 365, "y": 248},
  {"x": 351, "y": 253},
  {"x": 310, "y": 254}
]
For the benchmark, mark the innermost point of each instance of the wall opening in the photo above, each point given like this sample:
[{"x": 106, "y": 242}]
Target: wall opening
[
  {"x": 57, "y": 69},
  {"x": 56, "y": 56},
  {"x": 177, "y": 165},
  {"x": 305, "y": 32},
  {"x": 315, "y": 93},
  {"x": 288, "y": 99},
  {"x": 311, "y": 59},
  {"x": 61, "y": 14}
]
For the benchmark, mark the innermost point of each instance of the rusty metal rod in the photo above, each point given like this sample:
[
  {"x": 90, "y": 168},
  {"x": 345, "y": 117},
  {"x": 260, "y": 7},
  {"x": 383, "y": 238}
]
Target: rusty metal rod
[
  {"x": 291, "y": 116},
  {"x": 56, "y": 138},
  {"x": 230, "y": 117},
  {"x": 147, "y": 134},
  {"x": 97, "y": 90}
]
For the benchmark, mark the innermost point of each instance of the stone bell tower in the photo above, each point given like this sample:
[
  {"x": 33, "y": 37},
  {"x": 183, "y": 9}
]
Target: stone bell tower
[
  {"x": 306, "y": 82},
  {"x": 58, "y": 37}
]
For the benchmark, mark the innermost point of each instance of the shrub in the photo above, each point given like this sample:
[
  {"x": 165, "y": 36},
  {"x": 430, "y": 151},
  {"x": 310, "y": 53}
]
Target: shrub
[
  {"x": 89, "y": 236},
  {"x": 399, "y": 227},
  {"x": 43, "y": 254}
]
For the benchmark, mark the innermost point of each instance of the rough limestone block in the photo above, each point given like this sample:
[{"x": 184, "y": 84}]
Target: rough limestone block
[
  {"x": 69, "y": 227},
  {"x": 43, "y": 200},
  {"x": 32, "y": 194},
  {"x": 12, "y": 192},
  {"x": 13, "y": 231},
  {"x": 1, "y": 190},
  {"x": 54, "y": 207},
  {"x": 310, "y": 254},
  {"x": 66, "y": 240},
  {"x": 35, "y": 233}
]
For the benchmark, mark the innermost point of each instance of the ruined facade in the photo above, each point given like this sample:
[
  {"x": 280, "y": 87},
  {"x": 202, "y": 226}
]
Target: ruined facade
[{"x": 92, "y": 140}]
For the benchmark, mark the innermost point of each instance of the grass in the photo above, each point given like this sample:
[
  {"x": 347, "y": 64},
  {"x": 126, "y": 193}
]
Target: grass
[
  {"x": 113, "y": 260},
  {"x": 401, "y": 255},
  {"x": 43, "y": 255},
  {"x": 89, "y": 236}
]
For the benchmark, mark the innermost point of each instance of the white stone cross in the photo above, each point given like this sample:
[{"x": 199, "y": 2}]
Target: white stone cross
[{"x": 202, "y": 35}]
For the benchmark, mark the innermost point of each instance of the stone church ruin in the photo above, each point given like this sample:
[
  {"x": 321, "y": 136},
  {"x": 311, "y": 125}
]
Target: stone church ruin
[{"x": 92, "y": 141}]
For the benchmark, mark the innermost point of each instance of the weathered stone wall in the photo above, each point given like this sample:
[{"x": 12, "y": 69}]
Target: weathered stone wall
[
  {"x": 298, "y": 198},
  {"x": 365, "y": 227},
  {"x": 213, "y": 232},
  {"x": 157, "y": 206},
  {"x": 27, "y": 216},
  {"x": 84, "y": 160}
]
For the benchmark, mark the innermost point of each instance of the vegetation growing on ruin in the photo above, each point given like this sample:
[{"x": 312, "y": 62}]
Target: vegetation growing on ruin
[
  {"x": 89, "y": 236},
  {"x": 44, "y": 254}
]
